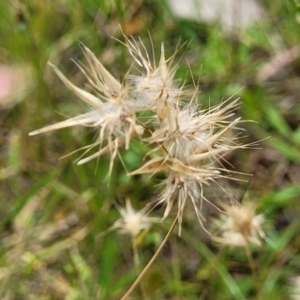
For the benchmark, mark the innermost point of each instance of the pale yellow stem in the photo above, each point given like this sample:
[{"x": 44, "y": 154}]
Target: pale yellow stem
[{"x": 151, "y": 261}]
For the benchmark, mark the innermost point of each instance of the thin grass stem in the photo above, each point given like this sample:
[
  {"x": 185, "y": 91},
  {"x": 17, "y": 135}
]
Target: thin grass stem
[{"x": 151, "y": 261}]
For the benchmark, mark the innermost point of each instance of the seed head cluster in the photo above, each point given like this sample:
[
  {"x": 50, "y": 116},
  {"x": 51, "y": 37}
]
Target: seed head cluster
[
  {"x": 240, "y": 226},
  {"x": 132, "y": 222},
  {"x": 188, "y": 143}
]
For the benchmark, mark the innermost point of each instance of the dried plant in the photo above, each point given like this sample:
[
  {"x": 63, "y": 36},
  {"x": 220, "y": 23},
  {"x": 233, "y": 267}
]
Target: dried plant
[
  {"x": 240, "y": 226},
  {"x": 188, "y": 143},
  {"x": 133, "y": 222}
]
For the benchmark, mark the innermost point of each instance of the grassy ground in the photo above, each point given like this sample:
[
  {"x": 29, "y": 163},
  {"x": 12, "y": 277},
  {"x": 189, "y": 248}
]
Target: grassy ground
[{"x": 53, "y": 211}]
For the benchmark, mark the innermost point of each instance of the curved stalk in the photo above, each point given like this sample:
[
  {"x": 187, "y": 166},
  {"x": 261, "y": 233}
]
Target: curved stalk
[{"x": 151, "y": 261}]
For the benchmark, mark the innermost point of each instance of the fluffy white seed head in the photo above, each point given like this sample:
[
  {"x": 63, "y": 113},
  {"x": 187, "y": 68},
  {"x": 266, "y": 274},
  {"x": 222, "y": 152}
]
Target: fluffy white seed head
[
  {"x": 155, "y": 89},
  {"x": 112, "y": 113},
  {"x": 188, "y": 143},
  {"x": 240, "y": 226},
  {"x": 133, "y": 222}
]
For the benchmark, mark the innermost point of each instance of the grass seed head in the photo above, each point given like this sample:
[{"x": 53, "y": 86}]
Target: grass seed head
[
  {"x": 111, "y": 111},
  {"x": 133, "y": 222},
  {"x": 155, "y": 88},
  {"x": 190, "y": 143},
  {"x": 240, "y": 226}
]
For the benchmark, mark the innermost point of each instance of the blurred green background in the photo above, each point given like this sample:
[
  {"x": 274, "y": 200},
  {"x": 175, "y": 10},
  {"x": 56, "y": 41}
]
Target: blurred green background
[{"x": 52, "y": 211}]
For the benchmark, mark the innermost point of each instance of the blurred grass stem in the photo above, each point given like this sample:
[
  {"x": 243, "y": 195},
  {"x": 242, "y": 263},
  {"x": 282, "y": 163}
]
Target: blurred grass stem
[{"x": 151, "y": 261}]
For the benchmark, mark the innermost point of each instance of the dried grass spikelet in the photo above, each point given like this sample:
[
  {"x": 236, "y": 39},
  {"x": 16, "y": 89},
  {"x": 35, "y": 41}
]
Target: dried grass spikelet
[
  {"x": 188, "y": 132},
  {"x": 112, "y": 112},
  {"x": 183, "y": 182},
  {"x": 133, "y": 222},
  {"x": 240, "y": 226},
  {"x": 155, "y": 89},
  {"x": 189, "y": 143},
  {"x": 114, "y": 105},
  {"x": 193, "y": 143}
]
